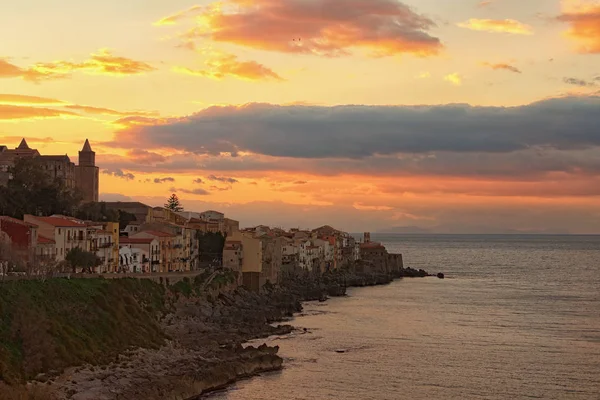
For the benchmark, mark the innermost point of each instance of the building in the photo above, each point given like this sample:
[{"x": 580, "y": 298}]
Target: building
[
  {"x": 21, "y": 236},
  {"x": 142, "y": 212},
  {"x": 230, "y": 226},
  {"x": 211, "y": 215},
  {"x": 84, "y": 176},
  {"x": 100, "y": 242},
  {"x": 261, "y": 257},
  {"x": 67, "y": 233},
  {"x": 45, "y": 250},
  {"x": 166, "y": 241},
  {"x": 87, "y": 177},
  {"x": 130, "y": 259},
  {"x": 149, "y": 259},
  {"x": 233, "y": 257}
]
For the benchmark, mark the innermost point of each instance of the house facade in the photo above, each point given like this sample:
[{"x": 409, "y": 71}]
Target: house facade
[{"x": 66, "y": 233}]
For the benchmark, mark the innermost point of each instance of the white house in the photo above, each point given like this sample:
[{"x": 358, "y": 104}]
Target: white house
[
  {"x": 130, "y": 259},
  {"x": 149, "y": 258}
]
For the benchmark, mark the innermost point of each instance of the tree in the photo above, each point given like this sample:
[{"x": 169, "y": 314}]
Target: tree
[
  {"x": 173, "y": 203},
  {"x": 32, "y": 191},
  {"x": 125, "y": 218},
  {"x": 210, "y": 246},
  {"x": 79, "y": 258}
]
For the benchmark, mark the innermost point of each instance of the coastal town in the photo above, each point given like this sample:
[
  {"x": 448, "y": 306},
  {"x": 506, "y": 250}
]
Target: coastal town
[{"x": 139, "y": 239}]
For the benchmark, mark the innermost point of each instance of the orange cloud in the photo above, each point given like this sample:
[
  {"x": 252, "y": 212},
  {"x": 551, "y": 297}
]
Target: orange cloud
[
  {"x": 10, "y": 112},
  {"x": 584, "y": 19},
  {"x": 223, "y": 65},
  {"x": 497, "y": 26},
  {"x": 17, "y": 99},
  {"x": 106, "y": 111},
  {"x": 501, "y": 66},
  {"x": 321, "y": 27}
]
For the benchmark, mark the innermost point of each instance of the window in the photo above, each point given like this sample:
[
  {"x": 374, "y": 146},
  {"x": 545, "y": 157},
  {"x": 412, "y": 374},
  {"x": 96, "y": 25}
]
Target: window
[
  {"x": 61, "y": 251},
  {"x": 59, "y": 231}
]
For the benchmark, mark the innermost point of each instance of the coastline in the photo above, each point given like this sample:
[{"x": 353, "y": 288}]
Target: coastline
[{"x": 204, "y": 352}]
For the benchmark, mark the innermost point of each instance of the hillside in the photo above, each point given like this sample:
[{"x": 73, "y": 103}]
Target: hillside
[{"x": 50, "y": 325}]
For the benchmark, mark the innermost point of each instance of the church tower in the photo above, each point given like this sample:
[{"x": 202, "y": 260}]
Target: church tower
[{"x": 87, "y": 174}]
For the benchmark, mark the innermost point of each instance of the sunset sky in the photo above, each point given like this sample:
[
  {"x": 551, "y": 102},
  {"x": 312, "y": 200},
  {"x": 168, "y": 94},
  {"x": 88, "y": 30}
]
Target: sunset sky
[{"x": 456, "y": 116}]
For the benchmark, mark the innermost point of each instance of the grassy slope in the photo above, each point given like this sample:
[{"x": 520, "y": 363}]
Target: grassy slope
[{"x": 46, "y": 326}]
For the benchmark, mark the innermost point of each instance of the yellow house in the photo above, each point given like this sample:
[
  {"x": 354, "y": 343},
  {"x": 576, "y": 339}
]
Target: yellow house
[{"x": 113, "y": 228}]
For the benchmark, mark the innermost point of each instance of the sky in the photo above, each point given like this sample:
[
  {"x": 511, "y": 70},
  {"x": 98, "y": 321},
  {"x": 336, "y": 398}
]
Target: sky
[{"x": 463, "y": 116}]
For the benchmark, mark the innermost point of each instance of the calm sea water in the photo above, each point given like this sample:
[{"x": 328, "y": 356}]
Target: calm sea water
[{"x": 518, "y": 317}]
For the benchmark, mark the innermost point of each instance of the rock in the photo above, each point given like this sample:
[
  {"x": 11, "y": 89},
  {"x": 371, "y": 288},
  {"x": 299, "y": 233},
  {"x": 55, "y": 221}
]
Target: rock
[
  {"x": 340, "y": 351},
  {"x": 440, "y": 275}
]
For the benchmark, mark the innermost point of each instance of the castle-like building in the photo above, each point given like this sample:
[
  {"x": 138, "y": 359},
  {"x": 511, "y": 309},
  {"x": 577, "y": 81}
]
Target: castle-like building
[{"x": 84, "y": 176}]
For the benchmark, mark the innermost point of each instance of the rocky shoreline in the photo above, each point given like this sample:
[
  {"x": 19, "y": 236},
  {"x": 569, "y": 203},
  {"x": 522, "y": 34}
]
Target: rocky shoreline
[{"x": 204, "y": 352}]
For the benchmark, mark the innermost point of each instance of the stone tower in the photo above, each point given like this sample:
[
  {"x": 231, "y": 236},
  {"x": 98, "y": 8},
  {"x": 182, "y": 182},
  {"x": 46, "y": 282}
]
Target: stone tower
[{"x": 87, "y": 174}]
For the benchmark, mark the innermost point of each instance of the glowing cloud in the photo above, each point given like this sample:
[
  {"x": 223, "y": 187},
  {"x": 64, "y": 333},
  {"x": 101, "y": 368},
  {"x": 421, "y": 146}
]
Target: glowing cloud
[
  {"x": 102, "y": 63},
  {"x": 8, "y": 70},
  {"x": 584, "y": 19},
  {"x": 174, "y": 18},
  {"x": 11, "y": 112},
  {"x": 501, "y": 66},
  {"x": 107, "y": 111},
  {"x": 223, "y": 65},
  {"x": 18, "y": 99},
  {"x": 497, "y": 26},
  {"x": 321, "y": 27},
  {"x": 454, "y": 79}
]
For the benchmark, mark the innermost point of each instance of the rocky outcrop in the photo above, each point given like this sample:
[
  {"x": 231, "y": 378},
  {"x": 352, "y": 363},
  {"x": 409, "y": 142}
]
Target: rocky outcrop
[{"x": 205, "y": 351}]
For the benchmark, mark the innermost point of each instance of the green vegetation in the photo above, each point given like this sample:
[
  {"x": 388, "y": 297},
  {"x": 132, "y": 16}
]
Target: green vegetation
[
  {"x": 78, "y": 258},
  {"x": 49, "y": 325},
  {"x": 173, "y": 203},
  {"x": 32, "y": 191},
  {"x": 46, "y": 326}
]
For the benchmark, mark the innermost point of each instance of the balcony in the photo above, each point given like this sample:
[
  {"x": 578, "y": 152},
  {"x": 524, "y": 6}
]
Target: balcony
[
  {"x": 177, "y": 246},
  {"x": 105, "y": 245}
]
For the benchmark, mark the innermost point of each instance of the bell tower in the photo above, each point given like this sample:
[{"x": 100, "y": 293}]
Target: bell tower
[
  {"x": 87, "y": 157},
  {"x": 87, "y": 174}
]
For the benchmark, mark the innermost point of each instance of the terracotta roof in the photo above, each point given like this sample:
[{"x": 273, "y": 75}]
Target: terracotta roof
[
  {"x": 44, "y": 240},
  {"x": 17, "y": 221},
  {"x": 128, "y": 240},
  {"x": 158, "y": 233},
  {"x": 60, "y": 222}
]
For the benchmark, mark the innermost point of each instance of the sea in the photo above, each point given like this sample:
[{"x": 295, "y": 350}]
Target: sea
[{"x": 517, "y": 317}]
